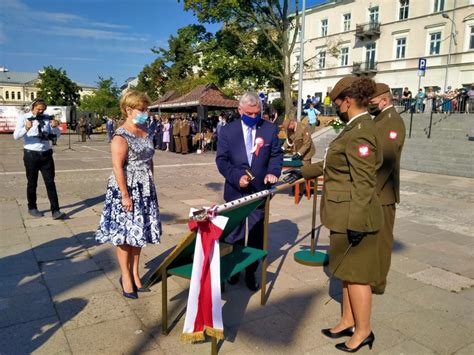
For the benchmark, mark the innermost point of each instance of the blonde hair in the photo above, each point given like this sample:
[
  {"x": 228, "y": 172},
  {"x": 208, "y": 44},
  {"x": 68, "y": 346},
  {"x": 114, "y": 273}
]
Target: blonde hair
[{"x": 134, "y": 99}]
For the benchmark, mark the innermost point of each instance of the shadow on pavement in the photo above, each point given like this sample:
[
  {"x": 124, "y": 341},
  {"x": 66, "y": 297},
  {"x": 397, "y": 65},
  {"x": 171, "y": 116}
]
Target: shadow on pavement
[{"x": 36, "y": 295}]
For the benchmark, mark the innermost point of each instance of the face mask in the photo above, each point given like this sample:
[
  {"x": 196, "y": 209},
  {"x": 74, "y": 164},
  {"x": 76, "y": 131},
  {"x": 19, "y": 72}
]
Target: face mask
[
  {"x": 374, "y": 109},
  {"x": 290, "y": 131},
  {"x": 140, "y": 118},
  {"x": 249, "y": 121}
]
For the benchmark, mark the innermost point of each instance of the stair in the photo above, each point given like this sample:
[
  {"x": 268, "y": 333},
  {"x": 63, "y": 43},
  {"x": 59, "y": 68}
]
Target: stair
[{"x": 449, "y": 151}]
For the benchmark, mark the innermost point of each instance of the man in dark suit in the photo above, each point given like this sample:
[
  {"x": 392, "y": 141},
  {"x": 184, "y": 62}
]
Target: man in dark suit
[{"x": 249, "y": 143}]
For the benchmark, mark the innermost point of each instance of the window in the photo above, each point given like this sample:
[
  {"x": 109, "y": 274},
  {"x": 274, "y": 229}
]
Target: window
[
  {"x": 374, "y": 15},
  {"x": 7, "y": 95},
  {"x": 322, "y": 59},
  {"x": 13, "y": 95},
  {"x": 438, "y": 5},
  {"x": 32, "y": 96},
  {"x": 18, "y": 95},
  {"x": 404, "y": 5},
  {"x": 346, "y": 24},
  {"x": 435, "y": 43},
  {"x": 370, "y": 55},
  {"x": 401, "y": 46},
  {"x": 344, "y": 56},
  {"x": 471, "y": 39},
  {"x": 324, "y": 27}
]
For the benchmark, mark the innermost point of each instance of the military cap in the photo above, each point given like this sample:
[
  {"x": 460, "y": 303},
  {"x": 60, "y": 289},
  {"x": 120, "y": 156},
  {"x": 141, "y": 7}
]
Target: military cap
[
  {"x": 380, "y": 88},
  {"x": 341, "y": 85}
]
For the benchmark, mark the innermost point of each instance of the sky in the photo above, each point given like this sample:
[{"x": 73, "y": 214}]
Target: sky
[{"x": 89, "y": 38}]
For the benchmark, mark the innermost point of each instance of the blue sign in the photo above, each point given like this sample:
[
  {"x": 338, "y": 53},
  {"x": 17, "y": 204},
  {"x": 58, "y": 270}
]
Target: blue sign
[{"x": 422, "y": 64}]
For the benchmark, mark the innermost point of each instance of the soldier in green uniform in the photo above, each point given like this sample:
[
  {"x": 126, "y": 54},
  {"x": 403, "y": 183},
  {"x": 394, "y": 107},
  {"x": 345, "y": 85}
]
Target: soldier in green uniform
[
  {"x": 298, "y": 141},
  {"x": 351, "y": 209},
  {"x": 176, "y": 134},
  {"x": 391, "y": 134},
  {"x": 184, "y": 131}
]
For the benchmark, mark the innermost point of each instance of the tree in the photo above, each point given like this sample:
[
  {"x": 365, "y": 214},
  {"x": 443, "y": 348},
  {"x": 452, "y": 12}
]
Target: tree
[
  {"x": 152, "y": 79},
  {"x": 271, "y": 18},
  {"x": 56, "y": 88},
  {"x": 105, "y": 100}
]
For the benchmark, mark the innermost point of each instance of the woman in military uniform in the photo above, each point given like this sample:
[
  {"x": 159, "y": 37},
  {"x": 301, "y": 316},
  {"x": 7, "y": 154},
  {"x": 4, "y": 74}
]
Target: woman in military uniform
[{"x": 351, "y": 210}]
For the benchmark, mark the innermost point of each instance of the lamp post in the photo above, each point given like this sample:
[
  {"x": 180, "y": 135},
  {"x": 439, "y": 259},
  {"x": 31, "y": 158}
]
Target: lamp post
[
  {"x": 301, "y": 63},
  {"x": 451, "y": 37}
]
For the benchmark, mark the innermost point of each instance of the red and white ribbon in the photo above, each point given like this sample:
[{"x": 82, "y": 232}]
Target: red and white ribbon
[
  {"x": 259, "y": 142},
  {"x": 204, "y": 310}
]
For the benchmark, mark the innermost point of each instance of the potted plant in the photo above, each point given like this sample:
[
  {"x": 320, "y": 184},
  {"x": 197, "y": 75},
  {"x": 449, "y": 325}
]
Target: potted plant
[{"x": 337, "y": 124}]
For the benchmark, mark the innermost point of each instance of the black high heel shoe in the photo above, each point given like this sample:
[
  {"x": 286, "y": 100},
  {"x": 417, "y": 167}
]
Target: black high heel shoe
[
  {"x": 133, "y": 295},
  {"x": 367, "y": 341},
  {"x": 348, "y": 332},
  {"x": 140, "y": 289}
]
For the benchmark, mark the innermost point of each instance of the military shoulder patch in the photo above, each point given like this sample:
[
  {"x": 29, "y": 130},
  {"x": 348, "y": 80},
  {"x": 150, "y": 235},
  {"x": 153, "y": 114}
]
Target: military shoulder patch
[
  {"x": 392, "y": 135},
  {"x": 363, "y": 150}
]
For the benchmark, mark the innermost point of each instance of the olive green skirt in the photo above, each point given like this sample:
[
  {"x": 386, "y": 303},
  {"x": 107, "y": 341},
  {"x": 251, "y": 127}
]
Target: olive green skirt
[{"x": 360, "y": 265}]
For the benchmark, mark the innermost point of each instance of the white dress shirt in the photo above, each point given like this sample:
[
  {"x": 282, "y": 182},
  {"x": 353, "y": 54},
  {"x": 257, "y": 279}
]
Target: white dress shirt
[{"x": 30, "y": 137}]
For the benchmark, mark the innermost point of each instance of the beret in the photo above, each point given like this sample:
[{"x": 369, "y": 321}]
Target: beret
[{"x": 341, "y": 85}]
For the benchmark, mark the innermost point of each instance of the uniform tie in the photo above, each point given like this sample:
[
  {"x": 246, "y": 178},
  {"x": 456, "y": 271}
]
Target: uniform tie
[{"x": 249, "y": 145}]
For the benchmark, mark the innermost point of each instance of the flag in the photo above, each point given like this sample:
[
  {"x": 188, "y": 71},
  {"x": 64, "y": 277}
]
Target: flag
[{"x": 204, "y": 309}]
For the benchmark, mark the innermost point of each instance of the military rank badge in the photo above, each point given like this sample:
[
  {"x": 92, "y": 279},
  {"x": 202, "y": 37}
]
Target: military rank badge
[
  {"x": 392, "y": 135},
  {"x": 364, "y": 150}
]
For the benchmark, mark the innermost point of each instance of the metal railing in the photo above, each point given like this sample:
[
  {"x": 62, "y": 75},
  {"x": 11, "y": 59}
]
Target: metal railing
[
  {"x": 364, "y": 67},
  {"x": 460, "y": 103},
  {"x": 368, "y": 29}
]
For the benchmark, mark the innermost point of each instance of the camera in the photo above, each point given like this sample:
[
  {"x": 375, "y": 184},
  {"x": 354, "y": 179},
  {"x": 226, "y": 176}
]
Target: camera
[{"x": 41, "y": 122}]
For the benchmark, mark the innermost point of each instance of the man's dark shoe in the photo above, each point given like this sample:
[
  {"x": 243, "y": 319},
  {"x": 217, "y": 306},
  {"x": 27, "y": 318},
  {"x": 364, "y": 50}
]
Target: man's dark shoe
[
  {"x": 234, "y": 279},
  {"x": 35, "y": 213},
  {"x": 58, "y": 215},
  {"x": 251, "y": 282}
]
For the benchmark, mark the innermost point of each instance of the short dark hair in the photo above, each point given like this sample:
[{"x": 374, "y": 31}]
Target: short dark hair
[{"x": 38, "y": 102}]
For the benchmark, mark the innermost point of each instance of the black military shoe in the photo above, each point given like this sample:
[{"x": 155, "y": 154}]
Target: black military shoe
[{"x": 251, "y": 282}]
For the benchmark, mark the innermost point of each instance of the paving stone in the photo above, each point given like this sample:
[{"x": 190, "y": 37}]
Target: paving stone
[
  {"x": 43, "y": 336},
  {"x": 68, "y": 267},
  {"x": 443, "y": 279},
  {"x": 91, "y": 309},
  {"x": 467, "y": 350},
  {"x": 13, "y": 285},
  {"x": 426, "y": 328},
  {"x": 13, "y": 236},
  {"x": 125, "y": 336},
  {"x": 59, "y": 252},
  {"x": 26, "y": 307},
  {"x": 408, "y": 347}
]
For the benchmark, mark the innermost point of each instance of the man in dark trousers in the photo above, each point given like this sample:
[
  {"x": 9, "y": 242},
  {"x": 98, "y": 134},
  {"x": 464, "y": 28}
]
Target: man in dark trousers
[
  {"x": 237, "y": 152},
  {"x": 37, "y": 129},
  {"x": 391, "y": 136}
]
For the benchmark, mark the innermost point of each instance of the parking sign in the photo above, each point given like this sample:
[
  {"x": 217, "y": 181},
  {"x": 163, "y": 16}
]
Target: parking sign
[{"x": 421, "y": 66}]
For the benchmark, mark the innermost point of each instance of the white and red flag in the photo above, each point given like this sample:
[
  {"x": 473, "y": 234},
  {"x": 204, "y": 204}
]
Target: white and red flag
[{"x": 204, "y": 310}]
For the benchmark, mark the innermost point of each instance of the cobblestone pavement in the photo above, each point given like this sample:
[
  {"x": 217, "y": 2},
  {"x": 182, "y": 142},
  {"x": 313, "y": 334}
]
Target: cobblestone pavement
[{"x": 59, "y": 291}]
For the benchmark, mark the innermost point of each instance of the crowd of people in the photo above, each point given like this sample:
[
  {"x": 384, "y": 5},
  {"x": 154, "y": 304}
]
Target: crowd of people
[{"x": 434, "y": 100}]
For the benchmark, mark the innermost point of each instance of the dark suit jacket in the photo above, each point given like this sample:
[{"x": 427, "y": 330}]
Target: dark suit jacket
[{"x": 231, "y": 158}]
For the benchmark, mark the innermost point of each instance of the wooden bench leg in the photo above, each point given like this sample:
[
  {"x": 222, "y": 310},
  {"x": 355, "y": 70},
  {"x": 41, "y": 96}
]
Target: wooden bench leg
[{"x": 297, "y": 193}]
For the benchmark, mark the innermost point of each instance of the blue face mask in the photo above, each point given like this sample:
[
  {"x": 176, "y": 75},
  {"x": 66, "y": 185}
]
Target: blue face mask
[
  {"x": 249, "y": 121},
  {"x": 141, "y": 118}
]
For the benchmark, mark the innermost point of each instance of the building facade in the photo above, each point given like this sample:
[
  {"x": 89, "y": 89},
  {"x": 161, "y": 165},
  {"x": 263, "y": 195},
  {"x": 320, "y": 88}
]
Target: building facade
[
  {"x": 19, "y": 88},
  {"x": 384, "y": 39}
]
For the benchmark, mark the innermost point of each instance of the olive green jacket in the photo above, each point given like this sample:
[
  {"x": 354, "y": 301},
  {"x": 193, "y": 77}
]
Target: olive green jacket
[
  {"x": 176, "y": 127},
  {"x": 301, "y": 142},
  {"x": 184, "y": 128},
  {"x": 349, "y": 199},
  {"x": 391, "y": 134}
]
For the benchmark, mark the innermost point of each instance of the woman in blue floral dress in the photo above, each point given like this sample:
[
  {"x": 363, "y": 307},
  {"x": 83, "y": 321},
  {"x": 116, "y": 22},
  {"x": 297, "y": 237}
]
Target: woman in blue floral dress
[{"x": 131, "y": 218}]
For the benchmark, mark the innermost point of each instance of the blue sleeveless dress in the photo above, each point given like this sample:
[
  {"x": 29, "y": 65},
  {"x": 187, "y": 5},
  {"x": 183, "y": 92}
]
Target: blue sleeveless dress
[{"x": 143, "y": 224}]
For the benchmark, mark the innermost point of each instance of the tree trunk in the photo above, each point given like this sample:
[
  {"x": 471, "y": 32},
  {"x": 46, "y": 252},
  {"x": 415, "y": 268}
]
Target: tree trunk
[{"x": 287, "y": 87}]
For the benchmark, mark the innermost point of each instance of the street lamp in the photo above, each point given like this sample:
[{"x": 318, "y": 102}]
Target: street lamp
[
  {"x": 301, "y": 63},
  {"x": 451, "y": 37}
]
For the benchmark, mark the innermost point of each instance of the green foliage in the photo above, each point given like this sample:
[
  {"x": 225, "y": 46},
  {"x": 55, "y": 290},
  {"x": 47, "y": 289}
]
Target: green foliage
[
  {"x": 279, "y": 105},
  {"x": 152, "y": 79},
  {"x": 104, "y": 101},
  {"x": 56, "y": 88}
]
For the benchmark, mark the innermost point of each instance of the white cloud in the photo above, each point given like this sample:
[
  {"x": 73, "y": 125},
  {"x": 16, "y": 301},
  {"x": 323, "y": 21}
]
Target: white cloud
[{"x": 91, "y": 33}]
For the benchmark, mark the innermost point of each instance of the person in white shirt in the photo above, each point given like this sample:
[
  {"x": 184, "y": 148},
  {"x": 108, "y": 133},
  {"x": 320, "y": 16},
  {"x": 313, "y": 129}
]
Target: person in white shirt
[{"x": 37, "y": 130}]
